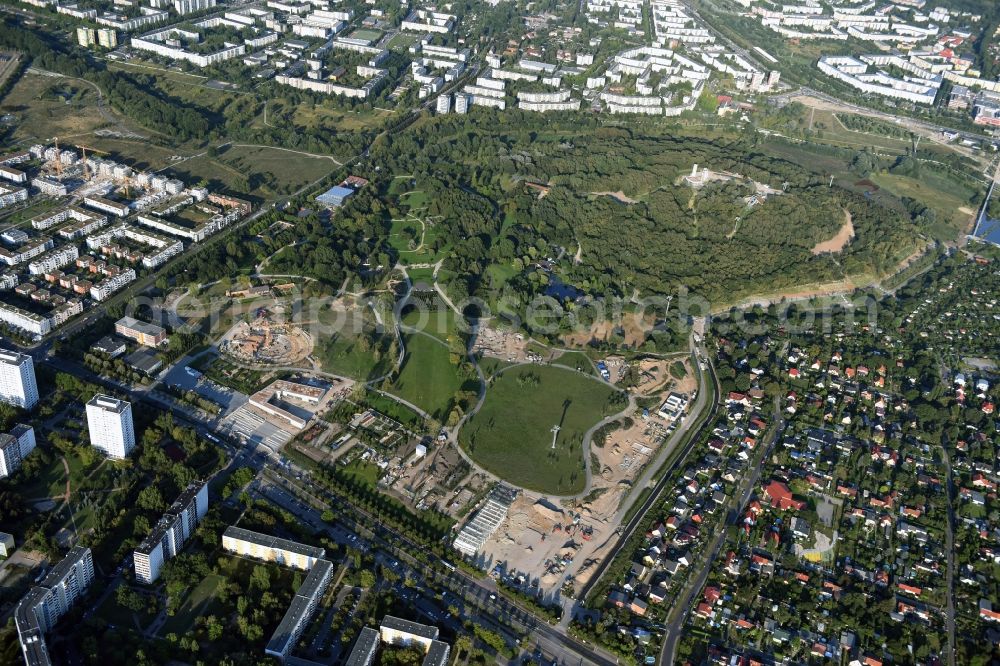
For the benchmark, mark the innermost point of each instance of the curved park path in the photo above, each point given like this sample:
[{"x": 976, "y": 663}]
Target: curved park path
[
  {"x": 452, "y": 433},
  {"x": 587, "y": 437}
]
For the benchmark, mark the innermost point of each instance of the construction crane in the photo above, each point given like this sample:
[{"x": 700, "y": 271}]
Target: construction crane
[
  {"x": 84, "y": 149},
  {"x": 55, "y": 139}
]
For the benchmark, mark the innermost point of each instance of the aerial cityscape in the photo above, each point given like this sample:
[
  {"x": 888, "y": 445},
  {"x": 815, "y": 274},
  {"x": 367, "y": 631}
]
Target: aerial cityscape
[{"x": 556, "y": 332}]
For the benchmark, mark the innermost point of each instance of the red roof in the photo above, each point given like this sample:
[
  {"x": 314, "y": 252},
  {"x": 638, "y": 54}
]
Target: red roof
[{"x": 781, "y": 497}]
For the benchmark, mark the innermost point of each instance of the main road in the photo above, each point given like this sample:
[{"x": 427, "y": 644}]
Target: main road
[
  {"x": 707, "y": 397},
  {"x": 682, "y": 602}
]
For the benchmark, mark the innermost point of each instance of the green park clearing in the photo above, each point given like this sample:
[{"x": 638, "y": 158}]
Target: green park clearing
[
  {"x": 428, "y": 378},
  {"x": 519, "y": 448},
  {"x": 193, "y": 606}
]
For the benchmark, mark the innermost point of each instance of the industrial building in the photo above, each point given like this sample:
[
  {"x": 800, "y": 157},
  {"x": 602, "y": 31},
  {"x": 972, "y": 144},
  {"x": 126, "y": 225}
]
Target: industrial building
[{"x": 486, "y": 521}]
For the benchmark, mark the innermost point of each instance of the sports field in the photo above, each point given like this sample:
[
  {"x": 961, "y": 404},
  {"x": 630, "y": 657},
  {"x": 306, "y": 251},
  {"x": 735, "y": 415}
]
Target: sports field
[{"x": 511, "y": 435}]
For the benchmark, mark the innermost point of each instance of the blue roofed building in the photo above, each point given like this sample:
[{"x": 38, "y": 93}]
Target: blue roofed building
[{"x": 335, "y": 196}]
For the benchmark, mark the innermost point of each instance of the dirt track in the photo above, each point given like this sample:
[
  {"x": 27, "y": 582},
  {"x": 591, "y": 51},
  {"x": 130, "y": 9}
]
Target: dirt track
[{"x": 840, "y": 240}]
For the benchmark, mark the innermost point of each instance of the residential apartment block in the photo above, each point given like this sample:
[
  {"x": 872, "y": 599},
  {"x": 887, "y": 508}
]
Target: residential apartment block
[
  {"x": 110, "y": 423},
  {"x": 270, "y": 549},
  {"x": 17, "y": 379},
  {"x": 173, "y": 529},
  {"x": 289, "y": 553},
  {"x": 15, "y": 447},
  {"x": 44, "y": 604},
  {"x": 300, "y": 611}
]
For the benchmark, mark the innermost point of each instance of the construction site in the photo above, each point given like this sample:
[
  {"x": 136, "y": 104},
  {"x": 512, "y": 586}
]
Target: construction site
[
  {"x": 76, "y": 227},
  {"x": 267, "y": 340},
  {"x": 548, "y": 543}
]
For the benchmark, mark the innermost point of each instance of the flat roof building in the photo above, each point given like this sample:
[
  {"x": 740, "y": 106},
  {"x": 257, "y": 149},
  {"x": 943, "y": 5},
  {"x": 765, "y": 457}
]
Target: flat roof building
[
  {"x": 397, "y": 631},
  {"x": 150, "y": 335},
  {"x": 365, "y": 648},
  {"x": 109, "y": 421},
  {"x": 270, "y": 548},
  {"x": 17, "y": 379},
  {"x": 300, "y": 611},
  {"x": 6, "y": 544},
  {"x": 44, "y": 604},
  {"x": 109, "y": 345},
  {"x": 173, "y": 529},
  {"x": 15, "y": 447},
  {"x": 335, "y": 196},
  {"x": 486, "y": 521}
]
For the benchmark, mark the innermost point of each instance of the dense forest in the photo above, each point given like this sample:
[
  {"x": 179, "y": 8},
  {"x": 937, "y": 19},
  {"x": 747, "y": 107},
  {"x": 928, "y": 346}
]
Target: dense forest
[{"x": 717, "y": 241}]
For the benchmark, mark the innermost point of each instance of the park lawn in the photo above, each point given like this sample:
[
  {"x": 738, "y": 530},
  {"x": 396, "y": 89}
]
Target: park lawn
[
  {"x": 393, "y": 409},
  {"x": 346, "y": 354},
  {"x": 415, "y": 200},
  {"x": 835, "y": 132},
  {"x": 432, "y": 316},
  {"x": 421, "y": 275},
  {"x": 51, "y": 482},
  {"x": 288, "y": 169},
  {"x": 490, "y": 365},
  {"x": 500, "y": 274},
  {"x": 41, "y": 104},
  {"x": 578, "y": 360},
  {"x": 191, "y": 609},
  {"x": 939, "y": 192},
  {"x": 428, "y": 379},
  {"x": 365, "y": 472},
  {"x": 511, "y": 434}
]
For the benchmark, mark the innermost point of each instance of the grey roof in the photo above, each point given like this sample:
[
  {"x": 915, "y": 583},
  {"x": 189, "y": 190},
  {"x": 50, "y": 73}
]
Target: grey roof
[
  {"x": 300, "y": 610},
  {"x": 317, "y": 579},
  {"x": 13, "y": 357},
  {"x": 29, "y": 631},
  {"x": 109, "y": 344},
  {"x": 107, "y": 403},
  {"x": 269, "y": 541},
  {"x": 363, "y": 653},
  {"x": 144, "y": 361},
  {"x": 141, "y": 326},
  {"x": 283, "y": 636},
  {"x": 20, "y": 429},
  {"x": 166, "y": 521},
  {"x": 60, "y": 570},
  {"x": 437, "y": 654},
  {"x": 410, "y": 627}
]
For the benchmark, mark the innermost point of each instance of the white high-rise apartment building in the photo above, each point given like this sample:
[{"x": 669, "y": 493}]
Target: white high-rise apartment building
[
  {"x": 17, "y": 379},
  {"x": 44, "y": 604},
  {"x": 15, "y": 447},
  {"x": 110, "y": 423},
  {"x": 170, "y": 533}
]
